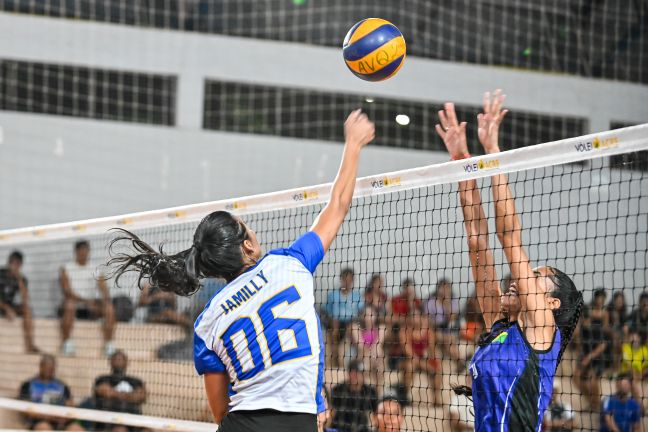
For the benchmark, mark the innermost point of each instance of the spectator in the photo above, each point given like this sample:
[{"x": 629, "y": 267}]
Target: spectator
[
  {"x": 375, "y": 295},
  {"x": 460, "y": 412},
  {"x": 621, "y": 412},
  {"x": 599, "y": 315},
  {"x": 443, "y": 310},
  {"x": 638, "y": 319},
  {"x": 419, "y": 343},
  {"x": 618, "y": 313},
  {"x": 85, "y": 297},
  {"x": 404, "y": 303},
  {"x": 634, "y": 357},
  {"x": 342, "y": 307},
  {"x": 388, "y": 416},
  {"x": 368, "y": 340},
  {"x": 559, "y": 416},
  {"x": 617, "y": 310},
  {"x": 118, "y": 391},
  {"x": 162, "y": 307},
  {"x": 472, "y": 325},
  {"x": 12, "y": 281},
  {"x": 353, "y": 400},
  {"x": 45, "y": 388},
  {"x": 592, "y": 364}
]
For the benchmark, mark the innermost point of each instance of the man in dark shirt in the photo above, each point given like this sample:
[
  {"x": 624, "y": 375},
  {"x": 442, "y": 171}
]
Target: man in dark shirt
[
  {"x": 353, "y": 400},
  {"x": 47, "y": 389},
  {"x": 13, "y": 282},
  {"x": 638, "y": 319},
  {"x": 118, "y": 391}
]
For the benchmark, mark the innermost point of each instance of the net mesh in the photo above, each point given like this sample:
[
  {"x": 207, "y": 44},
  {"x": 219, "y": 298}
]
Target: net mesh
[
  {"x": 589, "y": 219},
  {"x": 592, "y": 39}
]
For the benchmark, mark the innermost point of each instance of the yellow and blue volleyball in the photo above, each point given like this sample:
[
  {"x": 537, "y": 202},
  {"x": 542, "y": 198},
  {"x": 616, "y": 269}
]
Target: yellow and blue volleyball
[{"x": 374, "y": 49}]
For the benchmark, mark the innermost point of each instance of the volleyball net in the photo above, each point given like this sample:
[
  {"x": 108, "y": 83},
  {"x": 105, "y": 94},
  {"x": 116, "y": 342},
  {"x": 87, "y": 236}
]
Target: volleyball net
[{"x": 583, "y": 204}]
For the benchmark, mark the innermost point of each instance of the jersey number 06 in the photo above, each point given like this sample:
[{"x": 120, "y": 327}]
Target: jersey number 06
[{"x": 272, "y": 326}]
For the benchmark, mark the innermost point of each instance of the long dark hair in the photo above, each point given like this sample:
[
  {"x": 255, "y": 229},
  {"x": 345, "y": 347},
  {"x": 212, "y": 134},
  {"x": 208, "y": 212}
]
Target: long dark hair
[
  {"x": 216, "y": 252},
  {"x": 571, "y": 306},
  {"x": 566, "y": 317}
]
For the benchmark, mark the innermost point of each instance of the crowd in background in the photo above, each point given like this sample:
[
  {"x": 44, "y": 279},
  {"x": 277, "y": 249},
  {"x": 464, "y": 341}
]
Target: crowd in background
[{"x": 370, "y": 335}]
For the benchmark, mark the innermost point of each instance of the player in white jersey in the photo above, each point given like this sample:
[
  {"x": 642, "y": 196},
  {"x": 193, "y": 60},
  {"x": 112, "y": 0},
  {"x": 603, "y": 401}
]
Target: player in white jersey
[{"x": 258, "y": 342}]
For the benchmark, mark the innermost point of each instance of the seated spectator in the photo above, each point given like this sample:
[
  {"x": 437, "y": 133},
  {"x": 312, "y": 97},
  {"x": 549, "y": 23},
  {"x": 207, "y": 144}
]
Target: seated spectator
[
  {"x": 388, "y": 416},
  {"x": 85, "y": 297},
  {"x": 634, "y": 357},
  {"x": 353, "y": 400},
  {"x": 559, "y": 416},
  {"x": 368, "y": 340},
  {"x": 45, "y": 388},
  {"x": 443, "y": 310},
  {"x": 618, "y": 315},
  {"x": 419, "y": 342},
  {"x": 375, "y": 295},
  {"x": 460, "y": 411},
  {"x": 621, "y": 412},
  {"x": 342, "y": 307},
  {"x": 118, "y": 391},
  {"x": 591, "y": 362},
  {"x": 404, "y": 303},
  {"x": 638, "y": 319},
  {"x": 472, "y": 320},
  {"x": 599, "y": 315},
  {"x": 12, "y": 282},
  {"x": 162, "y": 307}
]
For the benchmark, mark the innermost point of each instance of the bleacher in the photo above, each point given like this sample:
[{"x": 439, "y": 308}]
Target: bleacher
[{"x": 174, "y": 389}]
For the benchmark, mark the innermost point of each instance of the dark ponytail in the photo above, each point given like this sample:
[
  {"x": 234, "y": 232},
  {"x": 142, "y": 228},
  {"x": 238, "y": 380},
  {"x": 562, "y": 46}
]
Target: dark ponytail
[
  {"x": 571, "y": 307},
  {"x": 216, "y": 252}
]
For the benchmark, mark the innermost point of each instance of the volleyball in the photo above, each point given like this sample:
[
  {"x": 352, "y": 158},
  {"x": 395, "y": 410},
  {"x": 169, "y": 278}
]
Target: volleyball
[{"x": 374, "y": 49}]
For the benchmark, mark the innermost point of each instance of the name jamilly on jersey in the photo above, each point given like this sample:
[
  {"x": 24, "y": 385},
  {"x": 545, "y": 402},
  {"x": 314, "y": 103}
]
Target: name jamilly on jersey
[
  {"x": 263, "y": 331},
  {"x": 512, "y": 382}
]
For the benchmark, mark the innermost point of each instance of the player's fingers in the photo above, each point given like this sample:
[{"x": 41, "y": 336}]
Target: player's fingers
[
  {"x": 450, "y": 112},
  {"x": 440, "y": 131},
  {"x": 487, "y": 102},
  {"x": 444, "y": 120}
]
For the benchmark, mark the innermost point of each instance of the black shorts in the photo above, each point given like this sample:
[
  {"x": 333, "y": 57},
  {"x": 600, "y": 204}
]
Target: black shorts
[{"x": 268, "y": 421}]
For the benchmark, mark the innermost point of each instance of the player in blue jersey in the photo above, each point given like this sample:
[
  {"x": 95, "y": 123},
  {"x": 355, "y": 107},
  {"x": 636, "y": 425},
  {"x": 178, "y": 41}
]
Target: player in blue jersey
[
  {"x": 258, "y": 342},
  {"x": 529, "y": 325}
]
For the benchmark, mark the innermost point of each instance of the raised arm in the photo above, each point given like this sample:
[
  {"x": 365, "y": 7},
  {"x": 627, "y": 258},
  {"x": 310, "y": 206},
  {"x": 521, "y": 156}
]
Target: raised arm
[
  {"x": 358, "y": 131},
  {"x": 487, "y": 287},
  {"x": 539, "y": 317}
]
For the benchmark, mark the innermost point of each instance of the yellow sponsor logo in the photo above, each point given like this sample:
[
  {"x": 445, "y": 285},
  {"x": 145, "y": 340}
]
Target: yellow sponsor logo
[
  {"x": 481, "y": 165},
  {"x": 305, "y": 196},
  {"x": 237, "y": 205},
  {"x": 385, "y": 182},
  {"x": 177, "y": 214},
  {"x": 79, "y": 227},
  {"x": 124, "y": 221},
  {"x": 597, "y": 144}
]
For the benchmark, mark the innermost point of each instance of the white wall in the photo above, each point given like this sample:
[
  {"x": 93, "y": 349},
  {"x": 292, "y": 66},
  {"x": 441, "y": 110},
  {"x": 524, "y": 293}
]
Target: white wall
[{"x": 61, "y": 169}]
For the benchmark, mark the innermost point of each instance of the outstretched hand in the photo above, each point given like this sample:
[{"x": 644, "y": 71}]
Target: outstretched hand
[
  {"x": 358, "y": 129},
  {"x": 489, "y": 121},
  {"x": 452, "y": 132}
]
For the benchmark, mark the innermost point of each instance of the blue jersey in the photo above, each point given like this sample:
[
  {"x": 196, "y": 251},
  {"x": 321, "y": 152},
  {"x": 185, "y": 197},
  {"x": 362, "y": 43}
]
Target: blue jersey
[
  {"x": 263, "y": 331},
  {"x": 512, "y": 382},
  {"x": 625, "y": 412}
]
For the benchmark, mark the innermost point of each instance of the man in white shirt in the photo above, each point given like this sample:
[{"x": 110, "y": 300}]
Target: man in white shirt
[{"x": 85, "y": 296}]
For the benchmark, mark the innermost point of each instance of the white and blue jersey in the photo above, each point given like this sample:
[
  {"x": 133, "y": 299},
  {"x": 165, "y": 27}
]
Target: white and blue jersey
[{"x": 263, "y": 331}]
